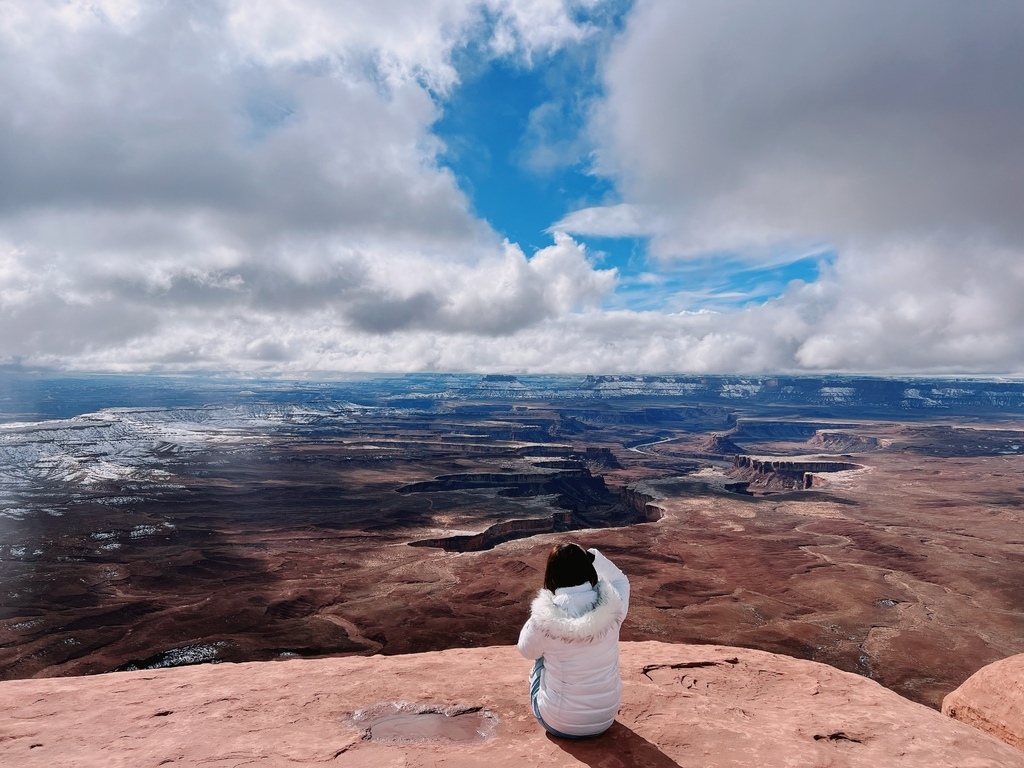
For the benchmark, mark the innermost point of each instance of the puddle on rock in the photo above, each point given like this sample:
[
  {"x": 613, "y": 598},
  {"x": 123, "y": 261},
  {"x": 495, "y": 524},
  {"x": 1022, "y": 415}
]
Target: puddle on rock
[{"x": 408, "y": 722}]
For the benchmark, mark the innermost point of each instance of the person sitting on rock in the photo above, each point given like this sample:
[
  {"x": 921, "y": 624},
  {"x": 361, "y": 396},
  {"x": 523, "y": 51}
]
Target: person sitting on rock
[{"x": 573, "y": 633}]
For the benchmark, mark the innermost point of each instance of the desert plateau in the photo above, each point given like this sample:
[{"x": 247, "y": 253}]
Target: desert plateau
[{"x": 843, "y": 522}]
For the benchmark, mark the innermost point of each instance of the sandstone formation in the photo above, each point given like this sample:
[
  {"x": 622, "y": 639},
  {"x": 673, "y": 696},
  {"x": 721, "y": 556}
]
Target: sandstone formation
[
  {"x": 845, "y": 441},
  {"x": 718, "y": 444},
  {"x": 683, "y": 705},
  {"x": 992, "y": 699},
  {"x": 785, "y": 474}
]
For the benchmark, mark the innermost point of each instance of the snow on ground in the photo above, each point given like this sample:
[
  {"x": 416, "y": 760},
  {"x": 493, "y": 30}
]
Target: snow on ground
[{"x": 119, "y": 446}]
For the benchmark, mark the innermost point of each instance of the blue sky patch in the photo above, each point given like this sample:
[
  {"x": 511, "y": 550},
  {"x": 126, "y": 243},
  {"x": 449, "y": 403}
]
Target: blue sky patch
[
  {"x": 491, "y": 129},
  {"x": 515, "y": 137},
  {"x": 721, "y": 282}
]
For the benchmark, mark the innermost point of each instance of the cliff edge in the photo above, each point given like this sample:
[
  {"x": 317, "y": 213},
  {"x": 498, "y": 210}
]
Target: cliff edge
[{"x": 683, "y": 705}]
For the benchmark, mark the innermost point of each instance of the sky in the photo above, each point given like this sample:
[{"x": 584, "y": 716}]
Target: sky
[{"x": 303, "y": 187}]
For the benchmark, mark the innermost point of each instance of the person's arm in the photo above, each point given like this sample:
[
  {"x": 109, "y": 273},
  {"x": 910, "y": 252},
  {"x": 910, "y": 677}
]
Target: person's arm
[
  {"x": 610, "y": 572},
  {"x": 531, "y": 641}
]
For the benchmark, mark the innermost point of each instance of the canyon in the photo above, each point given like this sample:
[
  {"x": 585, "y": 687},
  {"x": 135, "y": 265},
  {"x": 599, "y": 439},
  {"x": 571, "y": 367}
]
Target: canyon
[{"x": 272, "y": 521}]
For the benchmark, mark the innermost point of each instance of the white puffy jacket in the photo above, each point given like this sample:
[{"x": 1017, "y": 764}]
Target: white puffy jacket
[{"x": 576, "y": 630}]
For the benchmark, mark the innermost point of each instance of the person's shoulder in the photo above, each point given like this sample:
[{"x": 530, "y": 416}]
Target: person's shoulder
[{"x": 542, "y": 602}]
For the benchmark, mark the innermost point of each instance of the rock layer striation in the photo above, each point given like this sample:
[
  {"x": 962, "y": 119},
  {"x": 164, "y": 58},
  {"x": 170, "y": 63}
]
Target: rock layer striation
[{"x": 992, "y": 699}]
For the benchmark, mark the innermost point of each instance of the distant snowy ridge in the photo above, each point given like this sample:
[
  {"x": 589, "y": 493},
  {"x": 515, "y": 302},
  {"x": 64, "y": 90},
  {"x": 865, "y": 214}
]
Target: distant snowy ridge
[
  {"x": 864, "y": 392},
  {"x": 130, "y": 444}
]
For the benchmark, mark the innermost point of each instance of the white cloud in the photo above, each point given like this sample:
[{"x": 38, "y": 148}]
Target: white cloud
[
  {"x": 401, "y": 40},
  {"x": 890, "y": 131},
  {"x": 620, "y": 220},
  {"x": 917, "y": 305},
  {"x": 257, "y": 185},
  {"x": 246, "y": 183},
  {"x": 537, "y": 25}
]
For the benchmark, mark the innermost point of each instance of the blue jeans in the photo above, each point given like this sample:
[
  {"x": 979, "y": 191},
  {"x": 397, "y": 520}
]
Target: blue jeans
[{"x": 535, "y": 675}]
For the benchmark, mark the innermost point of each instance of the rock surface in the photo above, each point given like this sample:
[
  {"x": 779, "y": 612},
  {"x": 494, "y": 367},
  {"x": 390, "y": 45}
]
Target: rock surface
[
  {"x": 683, "y": 705},
  {"x": 992, "y": 699}
]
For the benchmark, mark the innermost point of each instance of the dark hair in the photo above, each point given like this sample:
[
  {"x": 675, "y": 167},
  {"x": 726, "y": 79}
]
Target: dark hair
[{"x": 569, "y": 565}]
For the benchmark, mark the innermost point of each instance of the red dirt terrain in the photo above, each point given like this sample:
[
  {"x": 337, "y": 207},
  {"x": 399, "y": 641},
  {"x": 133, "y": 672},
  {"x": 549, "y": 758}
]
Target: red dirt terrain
[{"x": 893, "y": 550}]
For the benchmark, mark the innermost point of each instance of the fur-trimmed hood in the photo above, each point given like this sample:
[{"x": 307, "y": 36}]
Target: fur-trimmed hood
[{"x": 554, "y": 621}]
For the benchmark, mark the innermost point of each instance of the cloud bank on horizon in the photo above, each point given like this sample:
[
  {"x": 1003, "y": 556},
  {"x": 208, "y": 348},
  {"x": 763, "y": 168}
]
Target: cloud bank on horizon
[{"x": 723, "y": 187}]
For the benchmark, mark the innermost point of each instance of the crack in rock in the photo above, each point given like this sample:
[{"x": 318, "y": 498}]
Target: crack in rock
[{"x": 685, "y": 665}]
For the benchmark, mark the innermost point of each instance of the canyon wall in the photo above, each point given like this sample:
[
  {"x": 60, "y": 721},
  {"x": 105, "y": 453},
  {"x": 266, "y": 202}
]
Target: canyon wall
[
  {"x": 785, "y": 474},
  {"x": 499, "y": 533},
  {"x": 644, "y": 502}
]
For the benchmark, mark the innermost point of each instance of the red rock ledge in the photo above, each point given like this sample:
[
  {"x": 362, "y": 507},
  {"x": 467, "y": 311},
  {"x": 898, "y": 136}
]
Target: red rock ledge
[
  {"x": 992, "y": 699},
  {"x": 684, "y": 705}
]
